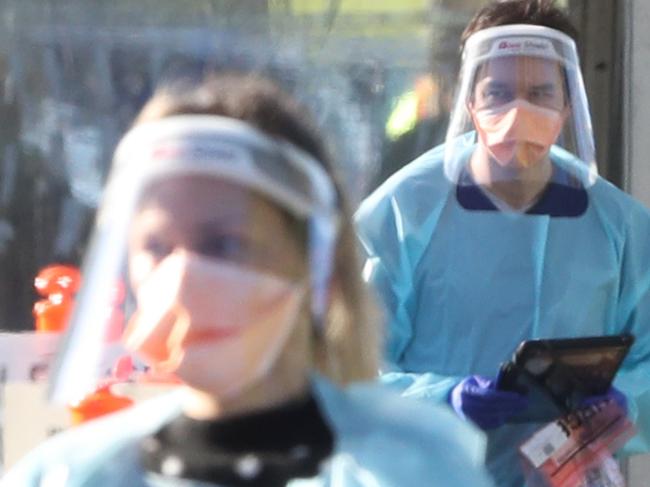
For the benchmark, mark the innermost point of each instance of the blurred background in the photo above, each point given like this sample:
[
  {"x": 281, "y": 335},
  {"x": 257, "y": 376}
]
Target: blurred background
[{"x": 379, "y": 76}]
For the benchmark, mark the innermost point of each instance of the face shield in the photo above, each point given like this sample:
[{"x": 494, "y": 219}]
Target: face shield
[
  {"x": 521, "y": 119},
  {"x": 221, "y": 236}
]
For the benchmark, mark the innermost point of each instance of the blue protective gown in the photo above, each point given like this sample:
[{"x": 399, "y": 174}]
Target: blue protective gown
[
  {"x": 463, "y": 287},
  {"x": 380, "y": 440}
]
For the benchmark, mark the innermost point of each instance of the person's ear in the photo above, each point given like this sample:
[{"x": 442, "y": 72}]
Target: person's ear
[
  {"x": 565, "y": 113},
  {"x": 471, "y": 110},
  {"x": 469, "y": 106}
]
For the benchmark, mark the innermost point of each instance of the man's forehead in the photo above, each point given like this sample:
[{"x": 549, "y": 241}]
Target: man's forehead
[{"x": 515, "y": 67}]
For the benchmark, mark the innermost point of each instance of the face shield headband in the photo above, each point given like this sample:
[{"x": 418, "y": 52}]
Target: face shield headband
[
  {"x": 523, "y": 41},
  {"x": 207, "y": 145}
]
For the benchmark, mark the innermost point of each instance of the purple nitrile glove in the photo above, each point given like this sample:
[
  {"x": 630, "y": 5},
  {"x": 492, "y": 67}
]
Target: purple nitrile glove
[
  {"x": 613, "y": 393},
  {"x": 477, "y": 398}
]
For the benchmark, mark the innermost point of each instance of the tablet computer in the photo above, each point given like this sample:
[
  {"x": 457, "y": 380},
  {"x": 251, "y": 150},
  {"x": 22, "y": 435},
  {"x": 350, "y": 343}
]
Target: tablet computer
[{"x": 557, "y": 374}]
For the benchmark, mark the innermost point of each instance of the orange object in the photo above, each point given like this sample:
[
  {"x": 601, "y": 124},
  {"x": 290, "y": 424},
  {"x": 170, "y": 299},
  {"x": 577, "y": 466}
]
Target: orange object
[
  {"x": 52, "y": 316},
  {"x": 97, "y": 404},
  {"x": 57, "y": 279},
  {"x": 57, "y": 284}
]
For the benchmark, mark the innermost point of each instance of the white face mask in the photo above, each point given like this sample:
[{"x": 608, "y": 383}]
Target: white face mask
[
  {"x": 519, "y": 131},
  {"x": 218, "y": 326}
]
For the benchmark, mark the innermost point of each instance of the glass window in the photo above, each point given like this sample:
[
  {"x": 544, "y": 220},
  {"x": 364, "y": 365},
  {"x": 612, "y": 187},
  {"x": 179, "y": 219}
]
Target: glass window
[{"x": 378, "y": 74}]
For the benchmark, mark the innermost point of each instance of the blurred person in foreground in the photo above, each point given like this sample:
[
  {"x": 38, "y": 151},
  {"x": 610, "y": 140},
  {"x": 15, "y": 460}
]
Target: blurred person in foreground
[{"x": 223, "y": 216}]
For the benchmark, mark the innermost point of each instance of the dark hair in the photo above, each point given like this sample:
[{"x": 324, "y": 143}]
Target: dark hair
[
  {"x": 248, "y": 97},
  {"x": 506, "y": 12}
]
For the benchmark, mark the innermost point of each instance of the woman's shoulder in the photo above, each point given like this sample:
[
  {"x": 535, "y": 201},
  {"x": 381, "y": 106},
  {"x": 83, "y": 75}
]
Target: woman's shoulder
[
  {"x": 82, "y": 453},
  {"x": 402, "y": 440},
  {"x": 380, "y": 436},
  {"x": 371, "y": 405}
]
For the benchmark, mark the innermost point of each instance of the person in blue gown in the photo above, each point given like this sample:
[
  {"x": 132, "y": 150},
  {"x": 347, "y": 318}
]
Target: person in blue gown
[
  {"x": 506, "y": 233},
  {"x": 224, "y": 219}
]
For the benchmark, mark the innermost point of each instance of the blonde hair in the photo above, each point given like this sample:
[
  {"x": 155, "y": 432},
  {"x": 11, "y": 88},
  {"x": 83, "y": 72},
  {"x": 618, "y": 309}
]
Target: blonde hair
[{"x": 348, "y": 351}]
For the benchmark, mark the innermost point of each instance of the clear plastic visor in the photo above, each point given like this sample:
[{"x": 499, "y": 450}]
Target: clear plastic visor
[
  {"x": 214, "y": 217},
  {"x": 521, "y": 113}
]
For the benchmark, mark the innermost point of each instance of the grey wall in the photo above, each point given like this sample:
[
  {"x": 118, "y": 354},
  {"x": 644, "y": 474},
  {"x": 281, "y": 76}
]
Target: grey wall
[{"x": 636, "y": 99}]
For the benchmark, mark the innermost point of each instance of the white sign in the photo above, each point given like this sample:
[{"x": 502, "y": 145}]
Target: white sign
[
  {"x": 26, "y": 356},
  {"x": 28, "y": 419},
  {"x": 29, "y": 356}
]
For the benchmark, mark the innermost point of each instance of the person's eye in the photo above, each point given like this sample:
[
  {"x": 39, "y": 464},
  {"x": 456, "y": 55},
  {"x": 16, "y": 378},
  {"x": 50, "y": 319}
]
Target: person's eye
[
  {"x": 496, "y": 94},
  {"x": 157, "y": 248},
  {"x": 542, "y": 94},
  {"x": 229, "y": 247}
]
